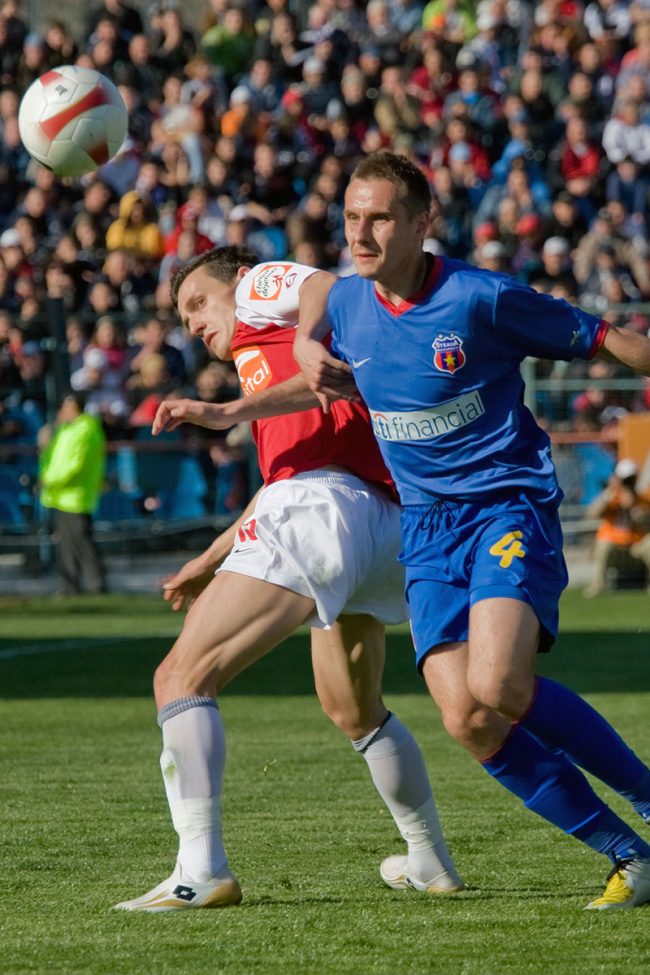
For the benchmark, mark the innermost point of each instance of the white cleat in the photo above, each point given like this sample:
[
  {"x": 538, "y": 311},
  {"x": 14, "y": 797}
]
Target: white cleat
[
  {"x": 628, "y": 885},
  {"x": 394, "y": 872},
  {"x": 177, "y": 894}
]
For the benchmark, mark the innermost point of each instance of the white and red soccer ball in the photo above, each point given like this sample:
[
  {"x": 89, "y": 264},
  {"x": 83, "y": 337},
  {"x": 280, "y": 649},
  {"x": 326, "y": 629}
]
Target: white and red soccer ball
[{"x": 72, "y": 120}]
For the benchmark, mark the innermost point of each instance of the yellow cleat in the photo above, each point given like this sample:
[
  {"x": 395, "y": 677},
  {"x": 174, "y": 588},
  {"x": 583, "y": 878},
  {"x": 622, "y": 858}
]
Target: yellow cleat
[{"x": 628, "y": 885}]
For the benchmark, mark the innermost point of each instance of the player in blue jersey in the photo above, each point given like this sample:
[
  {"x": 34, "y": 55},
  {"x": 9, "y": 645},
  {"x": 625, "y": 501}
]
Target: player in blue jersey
[{"x": 434, "y": 347}]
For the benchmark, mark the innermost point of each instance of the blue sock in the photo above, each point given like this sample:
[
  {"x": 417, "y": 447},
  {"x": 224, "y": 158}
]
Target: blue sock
[
  {"x": 550, "y": 785},
  {"x": 561, "y": 719}
]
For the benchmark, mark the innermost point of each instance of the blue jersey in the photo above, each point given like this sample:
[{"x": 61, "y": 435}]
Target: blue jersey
[{"x": 440, "y": 375}]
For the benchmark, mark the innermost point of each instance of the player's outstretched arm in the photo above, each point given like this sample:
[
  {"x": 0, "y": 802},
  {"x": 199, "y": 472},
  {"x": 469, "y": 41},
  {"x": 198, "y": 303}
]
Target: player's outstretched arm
[
  {"x": 181, "y": 589},
  {"x": 329, "y": 378},
  {"x": 291, "y": 396},
  {"x": 628, "y": 348}
]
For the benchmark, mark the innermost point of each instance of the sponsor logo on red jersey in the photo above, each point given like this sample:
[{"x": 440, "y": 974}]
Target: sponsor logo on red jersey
[
  {"x": 267, "y": 282},
  {"x": 448, "y": 355},
  {"x": 253, "y": 370}
]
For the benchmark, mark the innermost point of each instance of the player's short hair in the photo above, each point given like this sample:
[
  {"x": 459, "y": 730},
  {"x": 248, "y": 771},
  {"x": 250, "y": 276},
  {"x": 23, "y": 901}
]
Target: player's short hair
[
  {"x": 220, "y": 262},
  {"x": 77, "y": 397},
  {"x": 412, "y": 185}
]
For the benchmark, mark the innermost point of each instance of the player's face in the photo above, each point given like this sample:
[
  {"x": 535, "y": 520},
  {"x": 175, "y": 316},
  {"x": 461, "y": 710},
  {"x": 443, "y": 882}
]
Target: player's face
[
  {"x": 384, "y": 240},
  {"x": 207, "y": 309}
]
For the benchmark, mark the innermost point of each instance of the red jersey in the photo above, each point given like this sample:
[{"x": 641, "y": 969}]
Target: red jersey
[{"x": 262, "y": 347}]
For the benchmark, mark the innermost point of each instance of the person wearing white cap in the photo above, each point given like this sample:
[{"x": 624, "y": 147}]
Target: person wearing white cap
[{"x": 624, "y": 521}]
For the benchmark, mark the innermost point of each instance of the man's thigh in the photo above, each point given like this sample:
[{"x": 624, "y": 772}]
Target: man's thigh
[{"x": 234, "y": 622}]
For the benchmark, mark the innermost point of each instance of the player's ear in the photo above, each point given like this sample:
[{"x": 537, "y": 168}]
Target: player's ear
[
  {"x": 241, "y": 272},
  {"x": 422, "y": 225}
]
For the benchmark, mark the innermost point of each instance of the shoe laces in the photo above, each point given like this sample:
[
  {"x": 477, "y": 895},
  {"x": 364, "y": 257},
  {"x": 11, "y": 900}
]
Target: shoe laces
[{"x": 619, "y": 867}]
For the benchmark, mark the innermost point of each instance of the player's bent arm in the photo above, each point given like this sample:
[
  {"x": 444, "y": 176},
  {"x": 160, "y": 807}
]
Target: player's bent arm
[
  {"x": 181, "y": 589},
  {"x": 628, "y": 348},
  {"x": 330, "y": 378},
  {"x": 291, "y": 396}
]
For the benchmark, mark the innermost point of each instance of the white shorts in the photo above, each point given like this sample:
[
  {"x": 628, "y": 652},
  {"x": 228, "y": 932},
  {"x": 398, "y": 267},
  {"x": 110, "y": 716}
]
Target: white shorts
[{"x": 330, "y": 536}]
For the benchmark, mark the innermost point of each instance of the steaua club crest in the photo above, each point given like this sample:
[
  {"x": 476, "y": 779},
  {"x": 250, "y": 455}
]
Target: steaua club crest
[{"x": 448, "y": 355}]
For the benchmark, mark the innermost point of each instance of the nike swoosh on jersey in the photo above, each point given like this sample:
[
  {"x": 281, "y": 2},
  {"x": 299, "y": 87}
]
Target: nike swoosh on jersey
[{"x": 357, "y": 363}]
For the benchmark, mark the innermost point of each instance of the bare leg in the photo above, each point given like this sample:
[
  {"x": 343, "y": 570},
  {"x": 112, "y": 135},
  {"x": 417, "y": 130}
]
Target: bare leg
[
  {"x": 235, "y": 621},
  {"x": 348, "y": 663}
]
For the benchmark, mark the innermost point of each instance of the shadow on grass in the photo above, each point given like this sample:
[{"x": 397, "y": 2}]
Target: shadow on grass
[{"x": 119, "y": 666}]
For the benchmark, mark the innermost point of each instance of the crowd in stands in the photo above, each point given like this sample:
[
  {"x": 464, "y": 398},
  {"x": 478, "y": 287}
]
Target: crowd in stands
[{"x": 531, "y": 121}]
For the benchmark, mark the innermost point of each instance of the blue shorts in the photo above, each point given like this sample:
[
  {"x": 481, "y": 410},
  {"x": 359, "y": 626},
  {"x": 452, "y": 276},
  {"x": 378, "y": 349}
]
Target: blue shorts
[{"x": 457, "y": 553}]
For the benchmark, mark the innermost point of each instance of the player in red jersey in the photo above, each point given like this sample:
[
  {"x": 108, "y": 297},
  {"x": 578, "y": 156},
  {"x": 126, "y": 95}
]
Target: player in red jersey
[{"x": 317, "y": 545}]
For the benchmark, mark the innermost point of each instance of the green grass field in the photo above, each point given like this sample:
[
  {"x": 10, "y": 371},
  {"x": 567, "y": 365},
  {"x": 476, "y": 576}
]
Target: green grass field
[{"x": 85, "y": 822}]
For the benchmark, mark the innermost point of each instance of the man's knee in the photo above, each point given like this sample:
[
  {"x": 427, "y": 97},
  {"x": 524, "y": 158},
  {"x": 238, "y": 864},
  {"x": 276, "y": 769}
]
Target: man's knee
[
  {"x": 355, "y": 719},
  {"x": 508, "y": 694},
  {"x": 468, "y": 725},
  {"x": 177, "y": 676}
]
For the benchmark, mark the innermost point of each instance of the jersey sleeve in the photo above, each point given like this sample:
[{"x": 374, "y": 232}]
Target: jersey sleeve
[
  {"x": 547, "y": 327},
  {"x": 332, "y": 340},
  {"x": 270, "y": 293}
]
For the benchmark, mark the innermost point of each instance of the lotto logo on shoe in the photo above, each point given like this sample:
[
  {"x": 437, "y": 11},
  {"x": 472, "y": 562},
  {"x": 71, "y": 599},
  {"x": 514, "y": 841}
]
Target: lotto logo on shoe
[
  {"x": 184, "y": 893},
  {"x": 267, "y": 282},
  {"x": 253, "y": 370}
]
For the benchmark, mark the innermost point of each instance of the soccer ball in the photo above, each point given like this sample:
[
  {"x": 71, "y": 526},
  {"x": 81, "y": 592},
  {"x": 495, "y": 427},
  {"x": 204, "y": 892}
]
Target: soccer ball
[{"x": 72, "y": 120}]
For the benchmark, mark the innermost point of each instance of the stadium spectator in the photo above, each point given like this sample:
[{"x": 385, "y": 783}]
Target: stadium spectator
[
  {"x": 624, "y": 520},
  {"x": 142, "y": 71},
  {"x": 136, "y": 229},
  {"x": 104, "y": 390},
  {"x": 282, "y": 47},
  {"x": 625, "y": 136},
  {"x": 629, "y": 185},
  {"x": 187, "y": 221},
  {"x": 608, "y": 229},
  {"x": 174, "y": 45},
  {"x": 181, "y": 123},
  {"x": 32, "y": 62},
  {"x": 453, "y": 20},
  {"x": 127, "y": 18},
  {"x": 30, "y": 393},
  {"x": 71, "y": 471},
  {"x": 565, "y": 220},
  {"x": 108, "y": 336},
  {"x": 147, "y": 388},
  {"x": 556, "y": 264},
  {"x": 575, "y": 167},
  {"x": 229, "y": 44},
  {"x": 76, "y": 342},
  {"x": 152, "y": 339},
  {"x": 16, "y": 25}
]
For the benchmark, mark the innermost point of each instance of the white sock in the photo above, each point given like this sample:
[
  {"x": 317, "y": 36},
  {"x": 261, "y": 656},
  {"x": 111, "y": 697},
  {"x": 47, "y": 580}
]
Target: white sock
[
  {"x": 400, "y": 777},
  {"x": 192, "y": 763}
]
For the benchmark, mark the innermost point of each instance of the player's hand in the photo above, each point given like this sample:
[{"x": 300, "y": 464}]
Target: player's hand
[
  {"x": 180, "y": 590},
  {"x": 173, "y": 412},
  {"x": 329, "y": 378}
]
